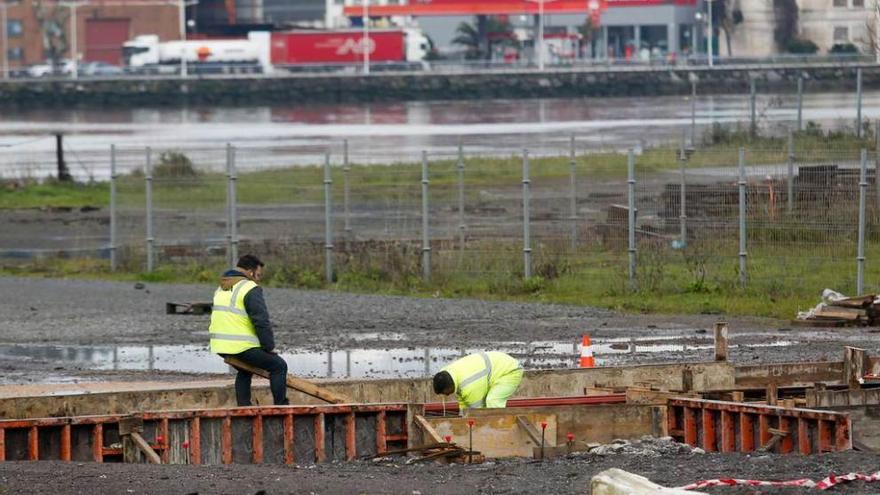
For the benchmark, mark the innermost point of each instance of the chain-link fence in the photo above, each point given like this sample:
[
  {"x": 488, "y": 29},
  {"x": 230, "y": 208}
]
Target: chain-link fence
[{"x": 668, "y": 219}]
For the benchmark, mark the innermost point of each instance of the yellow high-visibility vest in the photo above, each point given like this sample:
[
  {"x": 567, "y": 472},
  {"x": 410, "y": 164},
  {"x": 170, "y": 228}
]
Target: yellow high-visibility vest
[
  {"x": 475, "y": 374},
  {"x": 231, "y": 330}
]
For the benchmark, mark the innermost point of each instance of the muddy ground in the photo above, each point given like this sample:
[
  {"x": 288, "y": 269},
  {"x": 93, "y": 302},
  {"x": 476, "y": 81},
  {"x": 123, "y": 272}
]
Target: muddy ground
[
  {"x": 561, "y": 476},
  {"x": 84, "y": 314}
]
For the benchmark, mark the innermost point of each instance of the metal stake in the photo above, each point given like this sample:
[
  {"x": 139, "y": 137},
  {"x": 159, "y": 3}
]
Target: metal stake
[
  {"x": 753, "y": 128},
  {"x": 859, "y": 103},
  {"x": 631, "y": 196},
  {"x": 693, "y": 111},
  {"x": 426, "y": 241},
  {"x": 328, "y": 223},
  {"x": 863, "y": 192},
  {"x": 791, "y": 158},
  {"x": 800, "y": 102},
  {"x": 230, "y": 260},
  {"x": 346, "y": 168},
  {"x": 743, "y": 278},
  {"x": 682, "y": 216},
  {"x": 233, "y": 205},
  {"x": 148, "y": 177},
  {"x": 573, "y": 194},
  {"x": 527, "y": 243},
  {"x": 461, "y": 225},
  {"x": 113, "y": 176}
]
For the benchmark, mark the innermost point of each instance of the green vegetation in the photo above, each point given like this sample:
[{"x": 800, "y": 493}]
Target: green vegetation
[{"x": 789, "y": 259}]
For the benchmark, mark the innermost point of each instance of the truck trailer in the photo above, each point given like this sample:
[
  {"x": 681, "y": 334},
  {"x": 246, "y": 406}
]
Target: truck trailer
[{"x": 268, "y": 52}]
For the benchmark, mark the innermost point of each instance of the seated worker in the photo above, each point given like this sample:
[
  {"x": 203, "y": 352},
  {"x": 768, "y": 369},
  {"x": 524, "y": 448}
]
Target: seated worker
[
  {"x": 240, "y": 328},
  {"x": 483, "y": 379}
]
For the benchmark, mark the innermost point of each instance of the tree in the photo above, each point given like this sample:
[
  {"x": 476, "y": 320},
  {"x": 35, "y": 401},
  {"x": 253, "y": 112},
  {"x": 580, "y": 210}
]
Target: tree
[
  {"x": 52, "y": 20},
  {"x": 727, "y": 16},
  {"x": 871, "y": 42},
  {"x": 786, "y": 29},
  {"x": 498, "y": 32}
]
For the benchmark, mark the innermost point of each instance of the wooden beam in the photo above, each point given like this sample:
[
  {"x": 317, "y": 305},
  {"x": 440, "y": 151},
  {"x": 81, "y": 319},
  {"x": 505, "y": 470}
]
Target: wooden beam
[
  {"x": 298, "y": 384},
  {"x": 721, "y": 351},
  {"x": 855, "y": 366},
  {"x": 530, "y": 429},
  {"x": 151, "y": 455},
  {"x": 426, "y": 427}
]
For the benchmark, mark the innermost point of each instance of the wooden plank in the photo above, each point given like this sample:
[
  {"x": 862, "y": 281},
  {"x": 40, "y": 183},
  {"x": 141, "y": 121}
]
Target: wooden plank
[
  {"x": 721, "y": 348},
  {"x": 826, "y": 442},
  {"x": 823, "y": 323},
  {"x": 709, "y": 433},
  {"x": 294, "y": 383},
  {"x": 496, "y": 435},
  {"x": 143, "y": 446},
  {"x": 855, "y": 366},
  {"x": 728, "y": 432},
  {"x": 163, "y": 441},
  {"x": 226, "y": 440},
  {"x": 428, "y": 429},
  {"x": 529, "y": 428},
  {"x": 842, "y": 439},
  {"x": 2, "y": 444},
  {"x": 804, "y": 445},
  {"x": 690, "y": 426},
  {"x": 786, "y": 444},
  {"x": 746, "y": 432},
  {"x": 834, "y": 313}
]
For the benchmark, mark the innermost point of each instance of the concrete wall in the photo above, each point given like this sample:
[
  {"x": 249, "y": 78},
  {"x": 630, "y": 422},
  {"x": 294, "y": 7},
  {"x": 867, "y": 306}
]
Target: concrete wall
[{"x": 397, "y": 87}]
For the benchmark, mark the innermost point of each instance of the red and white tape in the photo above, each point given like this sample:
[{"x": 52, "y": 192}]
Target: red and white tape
[{"x": 828, "y": 482}]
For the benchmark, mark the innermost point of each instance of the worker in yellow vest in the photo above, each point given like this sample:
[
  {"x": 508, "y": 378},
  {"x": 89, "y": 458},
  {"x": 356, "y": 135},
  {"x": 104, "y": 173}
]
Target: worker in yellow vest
[
  {"x": 240, "y": 328},
  {"x": 483, "y": 379}
]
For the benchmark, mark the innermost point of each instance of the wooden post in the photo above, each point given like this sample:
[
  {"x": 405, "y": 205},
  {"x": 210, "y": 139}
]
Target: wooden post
[
  {"x": 133, "y": 444},
  {"x": 721, "y": 341},
  {"x": 855, "y": 364},
  {"x": 772, "y": 394}
]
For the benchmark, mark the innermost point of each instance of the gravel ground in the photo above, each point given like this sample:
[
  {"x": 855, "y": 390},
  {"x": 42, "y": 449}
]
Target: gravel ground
[
  {"x": 560, "y": 476},
  {"x": 45, "y": 312},
  {"x": 41, "y": 312}
]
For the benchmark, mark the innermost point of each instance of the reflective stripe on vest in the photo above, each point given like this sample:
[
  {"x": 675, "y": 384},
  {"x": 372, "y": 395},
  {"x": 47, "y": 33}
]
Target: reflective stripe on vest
[
  {"x": 487, "y": 373},
  {"x": 232, "y": 331}
]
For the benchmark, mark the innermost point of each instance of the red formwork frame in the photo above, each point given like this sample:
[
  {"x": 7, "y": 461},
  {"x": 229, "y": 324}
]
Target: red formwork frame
[
  {"x": 161, "y": 419},
  {"x": 717, "y": 426}
]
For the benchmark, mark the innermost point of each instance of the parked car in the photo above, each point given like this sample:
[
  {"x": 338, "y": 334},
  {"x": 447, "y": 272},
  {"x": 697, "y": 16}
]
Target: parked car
[
  {"x": 99, "y": 69},
  {"x": 46, "y": 69}
]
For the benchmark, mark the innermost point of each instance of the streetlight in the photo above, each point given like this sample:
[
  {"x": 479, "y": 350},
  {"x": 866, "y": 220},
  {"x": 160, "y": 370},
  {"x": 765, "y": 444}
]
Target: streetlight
[
  {"x": 540, "y": 34},
  {"x": 711, "y": 33},
  {"x": 365, "y": 45},
  {"x": 3, "y": 28},
  {"x": 182, "y": 8}
]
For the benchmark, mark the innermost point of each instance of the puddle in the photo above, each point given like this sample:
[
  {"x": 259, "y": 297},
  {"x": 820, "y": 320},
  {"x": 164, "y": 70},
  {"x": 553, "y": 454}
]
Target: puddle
[{"x": 409, "y": 362}]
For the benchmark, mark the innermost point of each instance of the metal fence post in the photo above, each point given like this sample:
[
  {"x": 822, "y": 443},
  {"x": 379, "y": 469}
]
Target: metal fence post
[
  {"x": 233, "y": 206},
  {"x": 573, "y": 193},
  {"x": 800, "y": 102},
  {"x": 790, "y": 184},
  {"x": 877, "y": 163},
  {"x": 148, "y": 179},
  {"x": 863, "y": 192},
  {"x": 346, "y": 168},
  {"x": 426, "y": 240},
  {"x": 859, "y": 102},
  {"x": 693, "y": 110},
  {"x": 461, "y": 225},
  {"x": 743, "y": 275},
  {"x": 527, "y": 242},
  {"x": 230, "y": 261},
  {"x": 113, "y": 176},
  {"x": 328, "y": 222},
  {"x": 631, "y": 196},
  {"x": 682, "y": 216},
  {"x": 753, "y": 126}
]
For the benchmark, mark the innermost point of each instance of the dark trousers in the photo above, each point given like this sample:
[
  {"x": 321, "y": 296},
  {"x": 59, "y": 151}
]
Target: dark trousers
[{"x": 273, "y": 363}]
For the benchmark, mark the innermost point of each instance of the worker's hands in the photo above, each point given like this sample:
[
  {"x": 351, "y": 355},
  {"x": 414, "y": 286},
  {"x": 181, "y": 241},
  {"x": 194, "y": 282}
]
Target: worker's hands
[{"x": 273, "y": 351}]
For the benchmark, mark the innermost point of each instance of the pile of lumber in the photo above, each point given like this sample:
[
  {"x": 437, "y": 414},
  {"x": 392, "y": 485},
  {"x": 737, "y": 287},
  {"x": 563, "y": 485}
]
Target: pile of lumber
[{"x": 851, "y": 311}]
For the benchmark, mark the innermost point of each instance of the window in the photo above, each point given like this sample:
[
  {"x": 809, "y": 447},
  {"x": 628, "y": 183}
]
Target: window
[
  {"x": 14, "y": 28},
  {"x": 15, "y": 53},
  {"x": 858, "y": 4},
  {"x": 840, "y": 3},
  {"x": 841, "y": 34}
]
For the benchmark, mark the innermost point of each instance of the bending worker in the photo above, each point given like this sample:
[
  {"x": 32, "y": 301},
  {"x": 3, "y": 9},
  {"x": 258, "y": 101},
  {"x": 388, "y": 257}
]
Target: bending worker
[
  {"x": 484, "y": 379},
  {"x": 240, "y": 328}
]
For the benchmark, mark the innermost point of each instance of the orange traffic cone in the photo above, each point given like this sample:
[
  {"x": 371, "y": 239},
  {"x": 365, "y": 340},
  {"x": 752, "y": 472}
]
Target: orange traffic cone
[{"x": 587, "y": 360}]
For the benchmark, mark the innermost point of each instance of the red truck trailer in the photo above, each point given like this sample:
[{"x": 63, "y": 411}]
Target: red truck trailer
[{"x": 339, "y": 47}]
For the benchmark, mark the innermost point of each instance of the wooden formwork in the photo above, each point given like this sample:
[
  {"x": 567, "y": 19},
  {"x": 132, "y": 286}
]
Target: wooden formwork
[
  {"x": 281, "y": 435},
  {"x": 718, "y": 426}
]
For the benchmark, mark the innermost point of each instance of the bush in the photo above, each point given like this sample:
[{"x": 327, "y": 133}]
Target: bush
[
  {"x": 844, "y": 49},
  {"x": 174, "y": 164},
  {"x": 798, "y": 45}
]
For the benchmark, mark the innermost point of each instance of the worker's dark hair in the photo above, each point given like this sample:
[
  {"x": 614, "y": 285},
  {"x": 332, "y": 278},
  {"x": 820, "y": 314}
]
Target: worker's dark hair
[
  {"x": 443, "y": 382},
  {"x": 249, "y": 262}
]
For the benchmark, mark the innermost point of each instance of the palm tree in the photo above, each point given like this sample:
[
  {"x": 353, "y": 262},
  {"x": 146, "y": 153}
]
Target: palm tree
[{"x": 477, "y": 44}]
